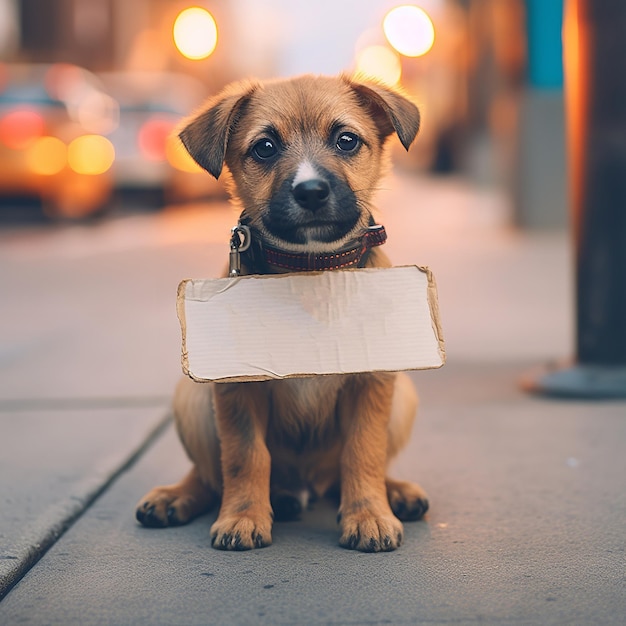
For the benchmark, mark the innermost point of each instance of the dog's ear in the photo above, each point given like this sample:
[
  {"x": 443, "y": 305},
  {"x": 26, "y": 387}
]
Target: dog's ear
[
  {"x": 391, "y": 109},
  {"x": 206, "y": 134}
]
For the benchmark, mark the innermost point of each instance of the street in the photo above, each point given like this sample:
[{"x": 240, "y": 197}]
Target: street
[{"x": 527, "y": 500}]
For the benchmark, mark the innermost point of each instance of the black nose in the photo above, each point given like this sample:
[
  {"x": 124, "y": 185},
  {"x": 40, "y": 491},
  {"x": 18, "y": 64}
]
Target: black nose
[{"x": 311, "y": 194}]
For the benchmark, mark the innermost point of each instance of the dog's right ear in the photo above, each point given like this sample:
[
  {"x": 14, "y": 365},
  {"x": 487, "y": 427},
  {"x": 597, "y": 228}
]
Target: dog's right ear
[{"x": 205, "y": 135}]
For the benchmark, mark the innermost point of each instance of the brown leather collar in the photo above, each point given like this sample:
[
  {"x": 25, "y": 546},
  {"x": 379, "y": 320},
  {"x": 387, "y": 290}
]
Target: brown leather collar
[{"x": 353, "y": 255}]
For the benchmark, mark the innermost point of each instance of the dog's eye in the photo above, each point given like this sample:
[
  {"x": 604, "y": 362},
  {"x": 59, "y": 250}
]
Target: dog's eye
[
  {"x": 264, "y": 149},
  {"x": 348, "y": 142}
]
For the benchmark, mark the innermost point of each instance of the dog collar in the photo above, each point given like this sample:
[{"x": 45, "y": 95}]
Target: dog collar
[{"x": 354, "y": 254}]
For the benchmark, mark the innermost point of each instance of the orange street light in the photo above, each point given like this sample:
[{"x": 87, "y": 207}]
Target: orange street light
[
  {"x": 409, "y": 30},
  {"x": 195, "y": 33}
]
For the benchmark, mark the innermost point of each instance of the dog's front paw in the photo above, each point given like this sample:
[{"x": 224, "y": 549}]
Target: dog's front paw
[
  {"x": 169, "y": 506},
  {"x": 241, "y": 532},
  {"x": 368, "y": 532}
]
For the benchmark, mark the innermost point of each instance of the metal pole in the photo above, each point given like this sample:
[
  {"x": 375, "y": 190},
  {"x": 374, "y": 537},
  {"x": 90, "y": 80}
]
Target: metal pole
[{"x": 594, "y": 38}]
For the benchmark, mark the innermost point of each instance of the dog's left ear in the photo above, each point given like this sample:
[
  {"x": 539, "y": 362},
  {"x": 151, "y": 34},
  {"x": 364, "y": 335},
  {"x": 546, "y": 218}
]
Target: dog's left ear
[
  {"x": 391, "y": 109},
  {"x": 206, "y": 135}
]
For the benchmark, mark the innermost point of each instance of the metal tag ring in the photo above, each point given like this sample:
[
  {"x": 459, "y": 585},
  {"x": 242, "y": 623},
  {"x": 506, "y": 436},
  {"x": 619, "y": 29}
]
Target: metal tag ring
[{"x": 246, "y": 238}]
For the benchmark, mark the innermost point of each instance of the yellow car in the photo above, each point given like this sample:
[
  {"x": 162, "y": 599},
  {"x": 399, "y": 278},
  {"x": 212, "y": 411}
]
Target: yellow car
[{"x": 54, "y": 122}]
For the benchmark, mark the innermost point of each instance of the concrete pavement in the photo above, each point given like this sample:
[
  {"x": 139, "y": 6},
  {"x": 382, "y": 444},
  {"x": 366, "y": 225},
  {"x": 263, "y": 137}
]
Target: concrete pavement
[{"x": 528, "y": 513}]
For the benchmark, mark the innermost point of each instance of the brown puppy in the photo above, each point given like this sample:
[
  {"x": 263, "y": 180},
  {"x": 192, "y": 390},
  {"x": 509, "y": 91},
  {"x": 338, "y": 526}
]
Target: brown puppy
[{"x": 304, "y": 157}]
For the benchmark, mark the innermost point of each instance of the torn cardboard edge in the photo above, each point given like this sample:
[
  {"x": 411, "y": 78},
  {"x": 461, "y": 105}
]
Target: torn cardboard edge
[{"x": 276, "y": 326}]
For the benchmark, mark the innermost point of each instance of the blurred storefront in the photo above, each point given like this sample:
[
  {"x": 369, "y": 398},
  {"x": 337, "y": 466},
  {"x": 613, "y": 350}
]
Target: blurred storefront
[{"x": 480, "y": 80}]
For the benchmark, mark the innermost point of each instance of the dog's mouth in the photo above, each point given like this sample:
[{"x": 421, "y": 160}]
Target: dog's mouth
[
  {"x": 322, "y": 231},
  {"x": 295, "y": 222}
]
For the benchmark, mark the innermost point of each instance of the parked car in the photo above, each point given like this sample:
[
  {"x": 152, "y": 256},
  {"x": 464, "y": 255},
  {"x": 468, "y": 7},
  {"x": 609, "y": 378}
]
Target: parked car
[
  {"x": 149, "y": 155},
  {"x": 53, "y": 145}
]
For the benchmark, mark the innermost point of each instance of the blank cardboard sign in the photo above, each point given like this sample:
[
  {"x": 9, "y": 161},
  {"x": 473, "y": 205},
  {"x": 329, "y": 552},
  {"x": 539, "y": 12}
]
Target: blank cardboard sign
[{"x": 309, "y": 323}]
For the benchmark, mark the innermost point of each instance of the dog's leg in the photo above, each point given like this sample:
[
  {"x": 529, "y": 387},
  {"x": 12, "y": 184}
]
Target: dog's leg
[
  {"x": 408, "y": 500},
  {"x": 366, "y": 520},
  {"x": 198, "y": 492},
  {"x": 245, "y": 518}
]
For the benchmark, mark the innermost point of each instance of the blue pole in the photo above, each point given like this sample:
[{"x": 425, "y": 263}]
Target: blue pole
[{"x": 544, "y": 19}]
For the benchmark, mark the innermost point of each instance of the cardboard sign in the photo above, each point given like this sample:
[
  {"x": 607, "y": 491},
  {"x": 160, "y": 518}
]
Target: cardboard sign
[{"x": 264, "y": 327}]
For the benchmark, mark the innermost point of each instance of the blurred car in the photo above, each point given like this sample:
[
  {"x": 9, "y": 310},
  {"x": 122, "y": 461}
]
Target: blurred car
[
  {"x": 149, "y": 155},
  {"x": 53, "y": 125}
]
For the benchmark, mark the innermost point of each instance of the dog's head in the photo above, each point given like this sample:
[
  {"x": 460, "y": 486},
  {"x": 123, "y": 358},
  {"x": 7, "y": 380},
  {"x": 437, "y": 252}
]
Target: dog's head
[{"x": 305, "y": 154}]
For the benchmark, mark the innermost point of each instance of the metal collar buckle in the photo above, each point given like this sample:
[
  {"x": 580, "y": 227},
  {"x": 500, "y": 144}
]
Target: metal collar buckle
[{"x": 240, "y": 239}]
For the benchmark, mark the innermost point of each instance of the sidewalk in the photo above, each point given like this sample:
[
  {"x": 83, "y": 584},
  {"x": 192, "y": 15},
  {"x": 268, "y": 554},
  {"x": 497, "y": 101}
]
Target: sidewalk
[{"x": 528, "y": 506}]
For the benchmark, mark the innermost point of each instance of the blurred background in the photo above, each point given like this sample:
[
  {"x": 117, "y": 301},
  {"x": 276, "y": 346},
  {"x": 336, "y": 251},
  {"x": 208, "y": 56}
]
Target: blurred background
[
  {"x": 90, "y": 91},
  {"x": 102, "y": 214}
]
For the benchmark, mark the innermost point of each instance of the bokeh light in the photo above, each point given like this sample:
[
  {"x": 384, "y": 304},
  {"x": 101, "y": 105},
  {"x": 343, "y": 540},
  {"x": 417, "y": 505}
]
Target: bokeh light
[
  {"x": 90, "y": 154},
  {"x": 20, "y": 128},
  {"x": 381, "y": 63},
  {"x": 409, "y": 30},
  {"x": 47, "y": 156},
  {"x": 153, "y": 138},
  {"x": 195, "y": 33},
  {"x": 98, "y": 113},
  {"x": 178, "y": 156}
]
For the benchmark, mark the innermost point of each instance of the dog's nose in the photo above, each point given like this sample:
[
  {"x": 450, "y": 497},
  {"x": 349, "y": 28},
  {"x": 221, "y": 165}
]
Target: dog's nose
[{"x": 312, "y": 194}]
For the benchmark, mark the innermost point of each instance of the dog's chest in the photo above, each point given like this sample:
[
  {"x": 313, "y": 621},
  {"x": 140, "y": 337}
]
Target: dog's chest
[{"x": 305, "y": 403}]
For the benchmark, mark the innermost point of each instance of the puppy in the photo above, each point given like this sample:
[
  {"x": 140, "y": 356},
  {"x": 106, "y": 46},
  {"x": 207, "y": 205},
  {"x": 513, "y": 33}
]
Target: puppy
[{"x": 304, "y": 157}]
